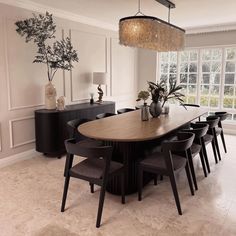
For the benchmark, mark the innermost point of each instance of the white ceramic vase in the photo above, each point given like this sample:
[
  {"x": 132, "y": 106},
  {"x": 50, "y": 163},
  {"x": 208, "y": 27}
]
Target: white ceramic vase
[{"x": 50, "y": 96}]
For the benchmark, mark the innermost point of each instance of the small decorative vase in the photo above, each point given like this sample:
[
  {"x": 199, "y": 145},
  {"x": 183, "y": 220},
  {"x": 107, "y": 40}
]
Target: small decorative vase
[
  {"x": 144, "y": 112},
  {"x": 50, "y": 96},
  {"x": 61, "y": 103},
  {"x": 155, "y": 109},
  {"x": 91, "y": 98},
  {"x": 166, "y": 108}
]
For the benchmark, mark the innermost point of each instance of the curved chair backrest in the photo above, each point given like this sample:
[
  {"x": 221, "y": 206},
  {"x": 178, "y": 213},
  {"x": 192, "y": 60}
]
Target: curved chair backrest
[
  {"x": 90, "y": 152},
  {"x": 124, "y": 110},
  {"x": 104, "y": 115},
  {"x": 184, "y": 142},
  {"x": 72, "y": 128},
  {"x": 199, "y": 129},
  {"x": 222, "y": 115},
  {"x": 190, "y": 105},
  {"x": 214, "y": 121}
]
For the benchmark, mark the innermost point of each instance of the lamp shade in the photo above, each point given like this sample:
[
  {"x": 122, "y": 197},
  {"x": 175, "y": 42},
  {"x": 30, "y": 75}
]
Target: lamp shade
[{"x": 99, "y": 78}]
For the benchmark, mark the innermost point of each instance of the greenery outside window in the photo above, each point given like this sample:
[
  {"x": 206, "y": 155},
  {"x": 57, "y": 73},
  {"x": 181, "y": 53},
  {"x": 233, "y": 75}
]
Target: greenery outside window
[{"x": 207, "y": 75}]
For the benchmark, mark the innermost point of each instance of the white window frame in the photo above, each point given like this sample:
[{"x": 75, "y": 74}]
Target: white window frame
[{"x": 222, "y": 76}]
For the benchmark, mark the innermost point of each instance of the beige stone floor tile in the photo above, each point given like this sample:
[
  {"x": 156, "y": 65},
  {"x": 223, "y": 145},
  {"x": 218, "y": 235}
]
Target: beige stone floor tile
[{"x": 31, "y": 191}]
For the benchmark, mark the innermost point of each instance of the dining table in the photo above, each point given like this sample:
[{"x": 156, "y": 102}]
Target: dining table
[{"x": 133, "y": 138}]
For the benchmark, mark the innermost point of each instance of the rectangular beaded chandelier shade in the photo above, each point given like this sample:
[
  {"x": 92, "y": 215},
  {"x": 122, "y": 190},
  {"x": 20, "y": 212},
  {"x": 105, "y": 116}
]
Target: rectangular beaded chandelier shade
[{"x": 151, "y": 33}]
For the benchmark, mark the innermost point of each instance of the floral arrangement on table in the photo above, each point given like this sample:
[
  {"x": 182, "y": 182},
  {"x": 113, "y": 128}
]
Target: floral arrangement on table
[
  {"x": 161, "y": 93},
  {"x": 143, "y": 95}
]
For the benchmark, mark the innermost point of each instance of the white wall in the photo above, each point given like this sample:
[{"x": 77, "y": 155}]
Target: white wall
[
  {"x": 211, "y": 39},
  {"x": 147, "y": 68},
  {"x": 22, "y": 83}
]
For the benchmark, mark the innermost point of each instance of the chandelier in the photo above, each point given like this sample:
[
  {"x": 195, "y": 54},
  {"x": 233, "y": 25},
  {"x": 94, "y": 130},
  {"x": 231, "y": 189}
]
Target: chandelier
[{"x": 150, "y": 32}]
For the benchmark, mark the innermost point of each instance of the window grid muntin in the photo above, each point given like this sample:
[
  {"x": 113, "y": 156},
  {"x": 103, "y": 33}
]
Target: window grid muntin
[
  {"x": 222, "y": 78},
  {"x": 233, "y": 97},
  {"x": 210, "y": 85},
  {"x": 188, "y": 73}
]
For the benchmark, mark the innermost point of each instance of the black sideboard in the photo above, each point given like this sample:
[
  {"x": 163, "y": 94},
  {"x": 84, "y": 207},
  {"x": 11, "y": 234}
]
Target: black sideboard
[{"x": 51, "y": 125}]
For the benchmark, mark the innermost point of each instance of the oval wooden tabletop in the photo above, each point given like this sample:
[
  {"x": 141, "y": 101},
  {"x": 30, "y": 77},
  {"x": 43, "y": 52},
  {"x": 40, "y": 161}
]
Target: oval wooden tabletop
[{"x": 128, "y": 127}]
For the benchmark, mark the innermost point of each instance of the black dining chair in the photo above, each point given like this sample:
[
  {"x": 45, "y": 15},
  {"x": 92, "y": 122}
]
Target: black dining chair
[
  {"x": 104, "y": 115},
  {"x": 211, "y": 137},
  {"x": 200, "y": 130},
  {"x": 223, "y": 116},
  {"x": 124, "y": 110},
  {"x": 72, "y": 127},
  {"x": 97, "y": 169},
  {"x": 167, "y": 163},
  {"x": 216, "y": 132}
]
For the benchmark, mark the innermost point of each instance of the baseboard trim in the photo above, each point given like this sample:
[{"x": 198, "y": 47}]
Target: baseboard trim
[
  {"x": 17, "y": 157},
  {"x": 230, "y": 131}
]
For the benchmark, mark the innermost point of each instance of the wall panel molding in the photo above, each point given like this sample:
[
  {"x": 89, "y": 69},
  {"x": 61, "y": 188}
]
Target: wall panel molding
[
  {"x": 11, "y": 131},
  {"x": 9, "y": 78},
  {"x": 126, "y": 74},
  {"x": 90, "y": 35}
]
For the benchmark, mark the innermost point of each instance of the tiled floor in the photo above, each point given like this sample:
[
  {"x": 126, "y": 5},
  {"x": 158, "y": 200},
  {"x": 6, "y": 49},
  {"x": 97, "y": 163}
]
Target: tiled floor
[{"x": 30, "y": 198}]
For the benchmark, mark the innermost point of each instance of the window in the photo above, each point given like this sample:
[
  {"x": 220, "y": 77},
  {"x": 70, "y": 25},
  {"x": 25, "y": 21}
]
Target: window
[
  {"x": 207, "y": 75},
  {"x": 188, "y": 68},
  {"x": 168, "y": 65},
  {"x": 229, "y": 79},
  {"x": 211, "y": 63}
]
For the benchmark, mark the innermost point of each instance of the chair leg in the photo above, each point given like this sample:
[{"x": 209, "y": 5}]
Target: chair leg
[
  {"x": 206, "y": 157},
  {"x": 189, "y": 178},
  {"x": 68, "y": 165},
  {"x": 140, "y": 183},
  {"x": 155, "y": 179},
  {"x": 100, "y": 205},
  {"x": 66, "y": 185},
  {"x": 217, "y": 146},
  {"x": 175, "y": 192},
  {"x": 223, "y": 140},
  {"x": 190, "y": 161},
  {"x": 161, "y": 177},
  {"x": 203, "y": 163},
  {"x": 214, "y": 150},
  {"x": 122, "y": 176},
  {"x": 91, "y": 187}
]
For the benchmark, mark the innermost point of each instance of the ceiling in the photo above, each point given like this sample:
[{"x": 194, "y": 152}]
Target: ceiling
[{"x": 187, "y": 14}]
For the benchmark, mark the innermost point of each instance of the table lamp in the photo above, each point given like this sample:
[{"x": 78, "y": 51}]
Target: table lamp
[{"x": 99, "y": 78}]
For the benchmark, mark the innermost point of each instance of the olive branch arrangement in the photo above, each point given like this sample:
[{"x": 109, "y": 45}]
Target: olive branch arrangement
[{"x": 41, "y": 29}]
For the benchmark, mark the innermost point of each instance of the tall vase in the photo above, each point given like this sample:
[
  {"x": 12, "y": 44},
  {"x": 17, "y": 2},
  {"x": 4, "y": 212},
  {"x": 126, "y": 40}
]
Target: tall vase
[
  {"x": 50, "y": 96},
  {"x": 155, "y": 109},
  {"x": 144, "y": 112}
]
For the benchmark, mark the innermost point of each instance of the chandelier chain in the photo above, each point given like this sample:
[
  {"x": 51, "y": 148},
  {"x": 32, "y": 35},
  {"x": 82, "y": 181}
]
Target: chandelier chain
[
  {"x": 169, "y": 14},
  {"x": 139, "y": 9}
]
